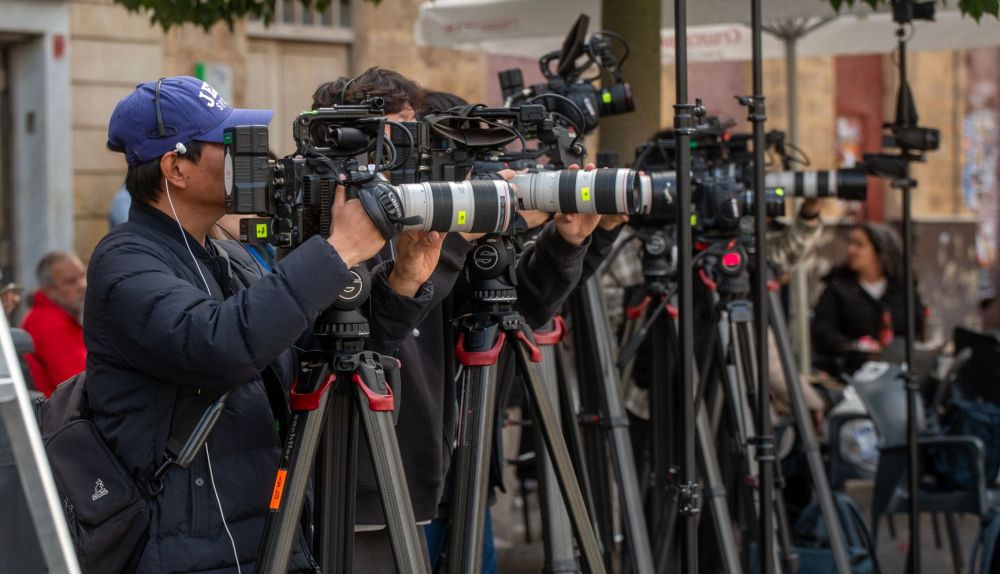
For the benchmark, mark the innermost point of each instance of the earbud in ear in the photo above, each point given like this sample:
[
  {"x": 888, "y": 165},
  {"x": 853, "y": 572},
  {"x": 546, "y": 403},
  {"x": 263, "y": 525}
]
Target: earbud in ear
[{"x": 181, "y": 148}]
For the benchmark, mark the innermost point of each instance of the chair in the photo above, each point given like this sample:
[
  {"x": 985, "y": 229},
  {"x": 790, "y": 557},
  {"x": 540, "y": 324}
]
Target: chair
[
  {"x": 979, "y": 377},
  {"x": 881, "y": 388}
]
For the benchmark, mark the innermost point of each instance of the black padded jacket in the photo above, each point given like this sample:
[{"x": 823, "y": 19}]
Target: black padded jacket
[{"x": 157, "y": 342}]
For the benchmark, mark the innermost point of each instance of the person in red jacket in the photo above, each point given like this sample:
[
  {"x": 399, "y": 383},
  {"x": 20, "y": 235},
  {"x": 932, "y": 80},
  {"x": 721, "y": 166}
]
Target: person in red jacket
[{"x": 55, "y": 321}]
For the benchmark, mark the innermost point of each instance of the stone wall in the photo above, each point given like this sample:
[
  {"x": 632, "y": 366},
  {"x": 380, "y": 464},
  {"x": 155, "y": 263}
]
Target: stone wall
[
  {"x": 384, "y": 37},
  {"x": 110, "y": 52}
]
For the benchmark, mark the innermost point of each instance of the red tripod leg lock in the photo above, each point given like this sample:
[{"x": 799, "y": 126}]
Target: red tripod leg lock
[
  {"x": 555, "y": 335},
  {"x": 479, "y": 358},
  {"x": 671, "y": 310},
  {"x": 636, "y": 311},
  {"x": 536, "y": 353},
  {"x": 376, "y": 402},
  {"x": 308, "y": 401}
]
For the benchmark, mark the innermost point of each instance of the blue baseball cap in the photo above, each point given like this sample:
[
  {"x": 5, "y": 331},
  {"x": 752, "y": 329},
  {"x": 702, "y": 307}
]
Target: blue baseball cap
[{"x": 189, "y": 109}]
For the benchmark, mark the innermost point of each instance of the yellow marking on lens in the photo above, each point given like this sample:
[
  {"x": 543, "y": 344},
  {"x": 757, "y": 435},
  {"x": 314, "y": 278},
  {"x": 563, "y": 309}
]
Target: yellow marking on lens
[
  {"x": 585, "y": 193},
  {"x": 606, "y": 96},
  {"x": 461, "y": 218},
  {"x": 261, "y": 231},
  {"x": 694, "y": 220},
  {"x": 779, "y": 191}
]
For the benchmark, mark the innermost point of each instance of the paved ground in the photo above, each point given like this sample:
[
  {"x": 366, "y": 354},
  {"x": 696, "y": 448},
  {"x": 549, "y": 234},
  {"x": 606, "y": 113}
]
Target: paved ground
[{"x": 515, "y": 556}]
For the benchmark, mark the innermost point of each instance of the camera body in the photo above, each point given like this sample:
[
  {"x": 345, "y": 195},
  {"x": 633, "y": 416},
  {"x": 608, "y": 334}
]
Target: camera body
[
  {"x": 566, "y": 91},
  {"x": 722, "y": 177},
  {"x": 293, "y": 196},
  {"x": 347, "y": 146}
]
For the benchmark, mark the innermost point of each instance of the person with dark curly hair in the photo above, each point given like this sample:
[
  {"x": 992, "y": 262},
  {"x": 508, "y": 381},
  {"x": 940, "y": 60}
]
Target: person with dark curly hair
[{"x": 862, "y": 309}]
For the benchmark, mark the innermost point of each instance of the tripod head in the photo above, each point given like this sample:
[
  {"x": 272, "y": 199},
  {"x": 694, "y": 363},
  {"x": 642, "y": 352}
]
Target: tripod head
[
  {"x": 343, "y": 326},
  {"x": 490, "y": 268},
  {"x": 659, "y": 256},
  {"x": 724, "y": 266}
]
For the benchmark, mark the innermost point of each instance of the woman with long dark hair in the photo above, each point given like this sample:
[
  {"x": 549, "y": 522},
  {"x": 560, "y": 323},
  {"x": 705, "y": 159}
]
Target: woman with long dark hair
[{"x": 862, "y": 309}]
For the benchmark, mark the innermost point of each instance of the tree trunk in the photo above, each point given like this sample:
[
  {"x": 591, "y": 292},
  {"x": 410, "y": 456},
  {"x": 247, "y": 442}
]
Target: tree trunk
[{"x": 638, "y": 21}]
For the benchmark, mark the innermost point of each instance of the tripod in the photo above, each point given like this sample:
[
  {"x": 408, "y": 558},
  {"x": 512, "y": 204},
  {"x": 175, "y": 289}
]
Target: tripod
[
  {"x": 669, "y": 500},
  {"x": 482, "y": 350},
  {"x": 37, "y": 483},
  {"x": 605, "y": 427},
  {"x": 732, "y": 365},
  {"x": 560, "y": 554},
  {"x": 323, "y": 428}
]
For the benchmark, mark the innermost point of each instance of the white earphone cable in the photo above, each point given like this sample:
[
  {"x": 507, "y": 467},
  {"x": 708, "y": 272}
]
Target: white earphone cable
[
  {"x": 184, "y": 237},
  {"x": 211, "y": 474},
  {"x": 211, "y": 477}
]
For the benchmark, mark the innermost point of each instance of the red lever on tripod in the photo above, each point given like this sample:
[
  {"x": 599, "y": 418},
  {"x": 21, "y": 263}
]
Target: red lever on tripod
[
  {"x": 555, "y": 335},
  {"x": 308, "y": 401},
  {"x": 479, "y": 358},
  {"x": 376, "y": 402},
  {"x": 536, "y": 353}
]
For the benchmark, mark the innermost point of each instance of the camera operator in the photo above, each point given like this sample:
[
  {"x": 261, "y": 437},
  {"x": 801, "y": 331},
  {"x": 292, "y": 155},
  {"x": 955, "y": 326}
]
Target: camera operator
[
  {"x": 174, "y": 319},
  {"x": 429, "y": 411}
]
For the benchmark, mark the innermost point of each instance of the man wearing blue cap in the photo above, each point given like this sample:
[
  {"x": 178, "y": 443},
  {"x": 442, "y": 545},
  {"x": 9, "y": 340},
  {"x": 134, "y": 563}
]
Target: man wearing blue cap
[{"x": 174, "y": 319}]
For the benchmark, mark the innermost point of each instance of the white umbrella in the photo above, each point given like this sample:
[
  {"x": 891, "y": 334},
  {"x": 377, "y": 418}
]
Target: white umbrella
[{"x": 530, "y": 28}]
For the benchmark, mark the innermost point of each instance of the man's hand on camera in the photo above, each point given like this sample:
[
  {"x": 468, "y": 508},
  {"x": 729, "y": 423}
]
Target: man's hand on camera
[
  {"x": 810, "y": 209},
  {"x": 417, "y": 255},
  {"x": 352, "y": 232},
  {"x": 507, "y": 175},
  {"x": 575, "y": 228},
  {"x": 533, "y": 217},
  {"x": 612, "y": 222}
]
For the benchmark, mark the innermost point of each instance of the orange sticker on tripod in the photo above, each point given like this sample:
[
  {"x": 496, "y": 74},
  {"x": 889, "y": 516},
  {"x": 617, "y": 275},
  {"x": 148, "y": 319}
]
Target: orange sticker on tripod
[{"x": 279, "y": 486}]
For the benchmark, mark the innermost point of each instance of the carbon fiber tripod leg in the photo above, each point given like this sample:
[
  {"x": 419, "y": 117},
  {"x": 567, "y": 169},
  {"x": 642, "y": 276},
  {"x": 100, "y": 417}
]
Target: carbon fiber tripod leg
[
  {"x": 619, "y": 439},
  {"x": 309, "y": 402},
  {"x": 472, "y": 466},
  {"x": 557, "y": 534},
  {"x": 375, "y": 408},
  {"x": 336, "y": 462},
  {"x": 572, "y": 497},
  {"x": 745, "y": 347}
]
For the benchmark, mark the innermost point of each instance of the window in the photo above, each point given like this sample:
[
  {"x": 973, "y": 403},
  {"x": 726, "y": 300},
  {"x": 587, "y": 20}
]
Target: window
[{"x": 293, "y": 21}]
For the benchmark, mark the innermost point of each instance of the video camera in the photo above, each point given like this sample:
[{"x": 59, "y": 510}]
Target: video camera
[
  {"x": 912, "y": 141},
  {"x": 566, "y": 90},
  {"x": 722, "y": 174},
  {"x": 476, "y": 140},
  {"x": 346, "y": 145}
]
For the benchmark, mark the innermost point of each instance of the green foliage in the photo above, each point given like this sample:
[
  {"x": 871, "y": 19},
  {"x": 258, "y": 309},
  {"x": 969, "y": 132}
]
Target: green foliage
[
  {"x": 206, "y": 13},
  {"x": 974, "y": 8}
]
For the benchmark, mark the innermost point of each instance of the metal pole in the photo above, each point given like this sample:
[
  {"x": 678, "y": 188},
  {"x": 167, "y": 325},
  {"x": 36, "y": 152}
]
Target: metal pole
[
  {"x": 35, "y": 474},
  {"x": 764, "y": 440},
  {"x": 684, "y": 125},
  {"x": 906, "y": 185}
]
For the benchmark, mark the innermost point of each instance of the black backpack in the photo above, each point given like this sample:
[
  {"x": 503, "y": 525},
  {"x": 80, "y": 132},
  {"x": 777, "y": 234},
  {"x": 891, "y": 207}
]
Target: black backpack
[
  {"x": 106, "y": 508},
  {"x": 812, "y": 542},
  {"x": 107, "y": 514}
]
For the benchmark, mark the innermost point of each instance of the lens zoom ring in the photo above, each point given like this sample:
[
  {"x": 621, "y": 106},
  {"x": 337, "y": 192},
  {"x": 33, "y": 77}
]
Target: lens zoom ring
[
  {"x": 567, "y": 191},
  {"x": 442, "y": 206},
  {"x": 604, "y": 194},
  {"x": 485, "y": 207}
]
